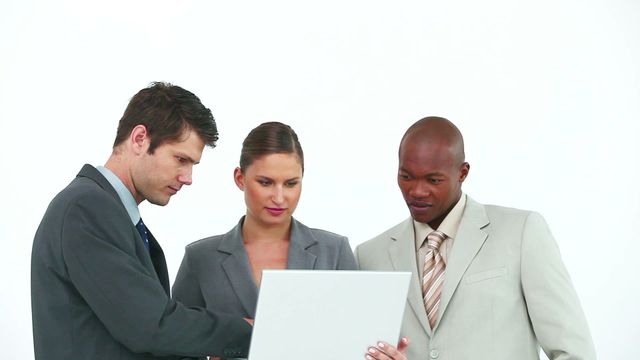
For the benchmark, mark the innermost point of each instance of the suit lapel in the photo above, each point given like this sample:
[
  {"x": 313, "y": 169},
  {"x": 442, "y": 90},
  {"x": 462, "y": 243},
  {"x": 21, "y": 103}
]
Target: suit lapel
[
  {"x": 301, "y": 239},
  {"x": 159, "y": 262},
  {"x": 468, "y": 241},
  {"x": 403, "y": 258},
  {"x": 236, "y": 267},
  {"x": 152, "y": 259}
]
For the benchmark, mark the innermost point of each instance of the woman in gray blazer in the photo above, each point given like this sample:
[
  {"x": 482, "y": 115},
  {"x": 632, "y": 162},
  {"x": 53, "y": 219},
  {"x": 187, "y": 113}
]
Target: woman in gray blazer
[{"x": 223, "y": 272}]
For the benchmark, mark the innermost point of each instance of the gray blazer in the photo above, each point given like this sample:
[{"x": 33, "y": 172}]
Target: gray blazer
[
  {"x": 506, "y": 292},
  {"x": 97, "y": 293},
  {"x": 215, "y": 271}
]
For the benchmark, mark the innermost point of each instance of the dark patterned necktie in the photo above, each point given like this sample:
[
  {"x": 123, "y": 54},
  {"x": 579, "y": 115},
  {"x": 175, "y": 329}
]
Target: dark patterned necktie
[{"x": 142, "y": 229}]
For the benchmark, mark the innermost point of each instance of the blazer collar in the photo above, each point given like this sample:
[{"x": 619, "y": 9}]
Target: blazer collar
[
  {"x": 301, "y": 241},
  {"x": 152, "y": 259},
  {"x": 238, "y": 270},
  {"x": 403, "y": 258},
  {"x": 232, "y": 241},
  {"x": 236, "y": 267},
  {"x": 92, "y": 173},
  {"x": 470, "y": 238}
]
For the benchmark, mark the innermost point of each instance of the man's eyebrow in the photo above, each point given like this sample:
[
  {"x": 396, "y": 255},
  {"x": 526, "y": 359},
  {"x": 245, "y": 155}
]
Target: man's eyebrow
[{"x": 189, "y": 158}]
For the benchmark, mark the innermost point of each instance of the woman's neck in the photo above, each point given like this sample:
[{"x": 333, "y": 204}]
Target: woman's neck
[{"x": 253, "y": 231}]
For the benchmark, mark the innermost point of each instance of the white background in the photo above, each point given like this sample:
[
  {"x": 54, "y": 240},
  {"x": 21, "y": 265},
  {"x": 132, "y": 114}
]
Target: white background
[{"x": 546, "y": 93}]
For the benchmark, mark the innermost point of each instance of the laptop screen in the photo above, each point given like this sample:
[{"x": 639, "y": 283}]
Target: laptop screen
[{"x": 326, "y": 314}]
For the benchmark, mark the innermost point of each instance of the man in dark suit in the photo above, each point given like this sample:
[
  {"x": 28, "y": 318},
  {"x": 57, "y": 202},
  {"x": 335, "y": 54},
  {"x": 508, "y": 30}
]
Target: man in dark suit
[{"x": 99, "y": 283}]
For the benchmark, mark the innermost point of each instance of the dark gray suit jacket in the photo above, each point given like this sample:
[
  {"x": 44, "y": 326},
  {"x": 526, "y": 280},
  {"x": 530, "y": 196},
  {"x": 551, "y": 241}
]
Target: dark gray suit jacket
[
  {"x": 215, "y": 271},
  {"x": 97, "y": 293}
]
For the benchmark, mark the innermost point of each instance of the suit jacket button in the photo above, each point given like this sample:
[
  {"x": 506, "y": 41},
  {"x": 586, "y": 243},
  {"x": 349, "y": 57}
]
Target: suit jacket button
[{"x": 434, "y": 354}]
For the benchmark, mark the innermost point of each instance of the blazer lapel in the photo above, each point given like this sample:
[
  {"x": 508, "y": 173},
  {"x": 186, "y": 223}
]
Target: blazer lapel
[
  {"x": 152, "y": 259},
  {"x": 403, "y": 258},
  {"x": 236, "y": 267},
  {"x": 301, "y": 239},
  {"x": 159, "y": 262},
  {"x": 468, "y": 241}
]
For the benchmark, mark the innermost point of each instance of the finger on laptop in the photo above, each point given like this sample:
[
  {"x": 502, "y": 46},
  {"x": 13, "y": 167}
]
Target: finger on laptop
[
  {"x": 403, "y": 344},
  {"x": 384, "y": 351}
]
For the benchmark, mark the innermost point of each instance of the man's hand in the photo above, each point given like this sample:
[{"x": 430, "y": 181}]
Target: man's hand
[{"x": 384, "y": 351}]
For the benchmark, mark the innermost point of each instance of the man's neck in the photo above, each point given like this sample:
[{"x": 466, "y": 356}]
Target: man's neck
[{"x": 120, "y": 167}]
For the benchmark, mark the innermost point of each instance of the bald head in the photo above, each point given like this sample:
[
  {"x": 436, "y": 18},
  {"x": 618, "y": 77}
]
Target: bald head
[
  {"x": 436, "y": 130},
  {"x": 431, "y": 169}
]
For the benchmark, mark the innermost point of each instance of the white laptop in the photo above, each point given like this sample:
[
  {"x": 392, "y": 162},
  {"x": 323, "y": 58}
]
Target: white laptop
[{"x": 323, "y": 314}]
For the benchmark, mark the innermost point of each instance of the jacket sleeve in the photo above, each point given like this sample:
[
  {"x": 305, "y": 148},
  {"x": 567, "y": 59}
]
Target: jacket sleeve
[
  {"x": 346, "y": 260},
  {"x": 99, "y": 250},
  {"x": 356, "y": 255},
  {"x": 186, "y": 288},
  {"x": 554, "y": 309}
]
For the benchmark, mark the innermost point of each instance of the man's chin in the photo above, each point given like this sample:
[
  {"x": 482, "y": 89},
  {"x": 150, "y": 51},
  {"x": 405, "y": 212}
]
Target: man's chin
[
  {"x": 159, "y": 202},
  {"x": 423, "y": 221},
  {"x": 421, "y": 218}
]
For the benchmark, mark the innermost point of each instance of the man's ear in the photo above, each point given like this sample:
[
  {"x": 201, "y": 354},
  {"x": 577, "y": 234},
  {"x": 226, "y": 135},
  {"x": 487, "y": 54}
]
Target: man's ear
[
  {"x": 139, "y": 139},
  {"x": 464, "y": 171},
  {"x": 238, "y": 177}
]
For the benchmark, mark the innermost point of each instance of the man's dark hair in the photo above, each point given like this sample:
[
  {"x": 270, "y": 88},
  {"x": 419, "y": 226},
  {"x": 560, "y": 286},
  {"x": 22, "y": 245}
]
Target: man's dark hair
[{"x": 167, "y": 111}]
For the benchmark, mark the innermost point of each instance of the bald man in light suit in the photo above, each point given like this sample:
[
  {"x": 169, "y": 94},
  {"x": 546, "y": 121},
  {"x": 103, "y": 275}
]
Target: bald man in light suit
[{"x": 504, "y": 291}]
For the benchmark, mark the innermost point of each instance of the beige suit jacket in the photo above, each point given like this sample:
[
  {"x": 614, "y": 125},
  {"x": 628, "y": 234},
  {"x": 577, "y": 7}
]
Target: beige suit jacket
[{"x": 506, "y": 291}]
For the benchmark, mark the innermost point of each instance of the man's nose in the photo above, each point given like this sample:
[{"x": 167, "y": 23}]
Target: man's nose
[
  {"x": 186, "y": 177},
  {"x": 421, "y": 189}
]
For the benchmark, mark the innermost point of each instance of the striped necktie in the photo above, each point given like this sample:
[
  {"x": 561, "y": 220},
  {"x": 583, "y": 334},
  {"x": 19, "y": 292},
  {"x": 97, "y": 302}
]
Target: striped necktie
[{"x": 433, "y": 276}]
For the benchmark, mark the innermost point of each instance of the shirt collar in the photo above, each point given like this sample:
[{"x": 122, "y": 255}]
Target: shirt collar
[
  {"x": 125, "y": 195},
  {"x": 449, "y": 225}
]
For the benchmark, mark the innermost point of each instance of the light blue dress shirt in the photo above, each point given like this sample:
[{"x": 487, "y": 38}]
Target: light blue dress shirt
[{"x": 125, "y": 195}]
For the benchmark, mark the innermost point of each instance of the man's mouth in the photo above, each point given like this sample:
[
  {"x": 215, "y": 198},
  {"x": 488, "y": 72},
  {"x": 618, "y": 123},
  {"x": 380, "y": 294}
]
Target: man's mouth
[{"x": 419, "y": 205}]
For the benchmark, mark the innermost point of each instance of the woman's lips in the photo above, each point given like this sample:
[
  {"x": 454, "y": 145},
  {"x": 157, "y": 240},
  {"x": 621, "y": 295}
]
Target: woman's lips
[{"x": 276, "y": 211}]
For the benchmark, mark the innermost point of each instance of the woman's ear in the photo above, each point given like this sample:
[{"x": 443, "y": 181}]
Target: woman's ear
[{"x": 238, "y": 177}]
